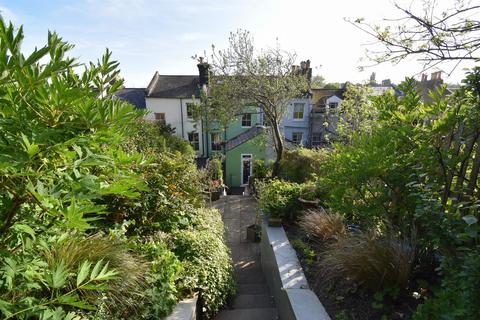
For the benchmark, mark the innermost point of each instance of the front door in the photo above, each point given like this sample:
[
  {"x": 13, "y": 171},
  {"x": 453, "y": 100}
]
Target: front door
[{"x": 246, "y": 168}]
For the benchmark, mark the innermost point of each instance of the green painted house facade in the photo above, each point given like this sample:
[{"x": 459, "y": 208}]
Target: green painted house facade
[{"x": 241, "y": 143}]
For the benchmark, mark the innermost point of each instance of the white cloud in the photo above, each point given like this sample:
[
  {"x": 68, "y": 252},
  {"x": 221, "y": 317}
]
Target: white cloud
[{"x": 8, "y": 15}]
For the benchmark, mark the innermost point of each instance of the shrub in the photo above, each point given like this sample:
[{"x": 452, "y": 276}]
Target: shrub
[
  {"x": 458, "y": 296},
  {"x": 373, "y": 261},
  {"x": 68, "y": 271},
  {"x": 206, "y": 261},
  {"x": 280, "y": 198},
  {"x": 323, "y": 225},
  {"x": 261, "y": 169},
  {"x": 301, "y": 164},
  {"x": 165, "y": 270}
]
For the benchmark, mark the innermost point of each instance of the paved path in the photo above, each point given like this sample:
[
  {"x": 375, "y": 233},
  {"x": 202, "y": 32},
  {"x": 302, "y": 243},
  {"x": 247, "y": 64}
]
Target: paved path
[{"x": 253, "y": 300}]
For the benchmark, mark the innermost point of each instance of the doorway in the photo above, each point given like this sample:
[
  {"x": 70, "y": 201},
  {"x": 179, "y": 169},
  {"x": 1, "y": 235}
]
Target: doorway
[{"x": 245, "y": 169}]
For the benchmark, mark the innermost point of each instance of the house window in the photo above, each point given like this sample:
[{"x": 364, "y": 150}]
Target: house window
[
  {"x": 190, "y": 109},
  {"x": 297, "y": 137},
  {"x": 332, "y": 105},
  {"x": 216, "y": 141},
  {"x": 193, "y": 139},
  {"x": 160, "y": 117},
  {"x": 316, "y": 138},
  {"x": 247, "y": 120},
  {"x": 298, "y": 110}
]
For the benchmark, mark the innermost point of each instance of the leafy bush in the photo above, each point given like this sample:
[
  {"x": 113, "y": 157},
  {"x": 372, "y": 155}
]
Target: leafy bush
[
  {"x": 165, "y": 270},
  {"x": 323, "y": 225},
  {"x": 206, "y": 260},
  {"x": 376, "y": 262},
  {"x": 280, "y": 198},
  {"x": 75, "y": 161},
  {"x": 149, "y": 136},
  {"x": 301, "y": 164},
  {"x": 261, "y": 169},
  {"x": 306, "y": 253},
  {"x": 67, "y": 272},
  {"x": 458, "y": 296}
]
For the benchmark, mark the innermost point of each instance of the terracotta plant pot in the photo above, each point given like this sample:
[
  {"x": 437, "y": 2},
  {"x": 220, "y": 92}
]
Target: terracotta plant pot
[{"x": 309, "y": 204}]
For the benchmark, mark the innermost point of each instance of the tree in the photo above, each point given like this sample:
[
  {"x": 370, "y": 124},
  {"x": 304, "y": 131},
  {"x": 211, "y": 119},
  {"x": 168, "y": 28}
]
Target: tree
[
  {"x": 268, "y": 79},
  {"x": 430, "y": 33},
  {"x": 318, "y": 82}
]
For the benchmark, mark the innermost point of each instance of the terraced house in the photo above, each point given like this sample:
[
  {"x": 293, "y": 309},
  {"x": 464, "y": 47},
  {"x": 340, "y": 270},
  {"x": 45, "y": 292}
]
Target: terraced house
[{"x": 170, "y": 99}]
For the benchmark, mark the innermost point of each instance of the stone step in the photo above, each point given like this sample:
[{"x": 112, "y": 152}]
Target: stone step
[
  {"x": 252, "y": 301},
  {"x": 248, "y": 314},
  {"x": 252, "y": 288},
  {"x": 253, "y": 275}
]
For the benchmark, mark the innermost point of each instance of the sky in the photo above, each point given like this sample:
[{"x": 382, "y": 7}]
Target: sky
[{"x": 163, "y": 35}]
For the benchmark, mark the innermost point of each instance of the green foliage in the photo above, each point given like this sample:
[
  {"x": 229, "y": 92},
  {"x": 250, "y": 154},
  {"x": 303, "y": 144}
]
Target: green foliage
[
  {"x": 77, "y": 164},
  {"x": 261, "y": 169},
  {"x": 458, "y": 296},
  {"x": 376, "y": 262},
  {"x": 155, "y": 137},
  {"x": 302, "y": 164},
  {"x": 206, "y": 260},
  {"x": 411, "y": 168},
  {"x": 214, "y": 169},
  {"x": 280, "y": 198},
  {"x": 306, "y": 253}
]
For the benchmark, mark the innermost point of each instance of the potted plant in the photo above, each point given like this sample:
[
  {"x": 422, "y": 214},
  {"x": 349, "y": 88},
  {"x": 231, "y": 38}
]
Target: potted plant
[
  {"x": 254, "y": 231},
  {"x": 215, "y": 178}
]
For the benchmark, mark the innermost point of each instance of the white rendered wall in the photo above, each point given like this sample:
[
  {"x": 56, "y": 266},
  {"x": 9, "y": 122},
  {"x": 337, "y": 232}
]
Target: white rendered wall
[{"x": 176, "y": 115}]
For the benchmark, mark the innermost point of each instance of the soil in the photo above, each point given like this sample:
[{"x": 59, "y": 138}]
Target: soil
[{"x": 342, "y": 298}]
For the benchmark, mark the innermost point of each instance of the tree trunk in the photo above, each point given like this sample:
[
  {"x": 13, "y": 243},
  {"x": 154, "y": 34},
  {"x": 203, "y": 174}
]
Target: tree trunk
[
  {"x": 474, "y": 173},
  {"x": 277, "y": 136}
]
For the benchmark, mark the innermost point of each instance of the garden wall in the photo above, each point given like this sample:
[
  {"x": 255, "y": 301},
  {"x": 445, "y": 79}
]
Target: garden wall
[{"x": 285, "y": 277}]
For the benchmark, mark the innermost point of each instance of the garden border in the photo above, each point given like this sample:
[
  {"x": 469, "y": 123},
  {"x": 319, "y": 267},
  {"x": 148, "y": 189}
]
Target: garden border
[{"x": 285, "y": 277}]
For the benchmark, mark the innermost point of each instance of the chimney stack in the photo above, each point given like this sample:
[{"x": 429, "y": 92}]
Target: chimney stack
[{"x": 203, "y": 72}]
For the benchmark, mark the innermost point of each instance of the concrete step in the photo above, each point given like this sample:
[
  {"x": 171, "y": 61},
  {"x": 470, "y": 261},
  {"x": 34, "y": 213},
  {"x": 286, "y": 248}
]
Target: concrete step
[
  {"x": 253, "y": 275},
  {"x": 248, "y": 314},
  {"x": 252, "y": 301},
  {"x": 252, "y": 288}
]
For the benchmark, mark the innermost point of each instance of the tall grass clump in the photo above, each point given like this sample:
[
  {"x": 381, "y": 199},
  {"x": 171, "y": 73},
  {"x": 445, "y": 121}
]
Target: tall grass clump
[
  {"x": 376, "y": 262},
  {"x": 320, "y": 224}
]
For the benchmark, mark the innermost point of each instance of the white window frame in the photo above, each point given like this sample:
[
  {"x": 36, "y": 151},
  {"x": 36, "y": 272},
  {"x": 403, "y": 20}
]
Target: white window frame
[
  {"x": 246, "y": 156},
  {"x": 162, "y": 120},
  {"x": 243, "y": 115},
  {"x": 301, "y": 137},
  {"x": 218, "y": 146},
  {"x": 186, "y": 109},
  {"x": 298, "y": 112},
  {"x": 319, "y": 142},
  {"x": 194, "y": 143}
]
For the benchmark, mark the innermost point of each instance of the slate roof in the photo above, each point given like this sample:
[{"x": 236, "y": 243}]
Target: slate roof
[
  {"x": 135, "y": 96},
  {"x": 173, "y": 86},
  {"x": 243, "y": 137}
]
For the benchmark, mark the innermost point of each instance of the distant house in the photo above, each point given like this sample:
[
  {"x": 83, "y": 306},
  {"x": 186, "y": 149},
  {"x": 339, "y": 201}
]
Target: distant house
[
  {"x": 170, "y": 98},
  {"x": 380, "y": 88},
  {"x": 425, "y": 85},
  {"x": 296, "y": 121},
  {"x": 135, "y": 96},
  {"x": 324, "y": 116}
]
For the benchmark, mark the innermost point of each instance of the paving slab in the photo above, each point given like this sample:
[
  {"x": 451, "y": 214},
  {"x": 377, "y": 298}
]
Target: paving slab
[{"x": 253, "y": 300}]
